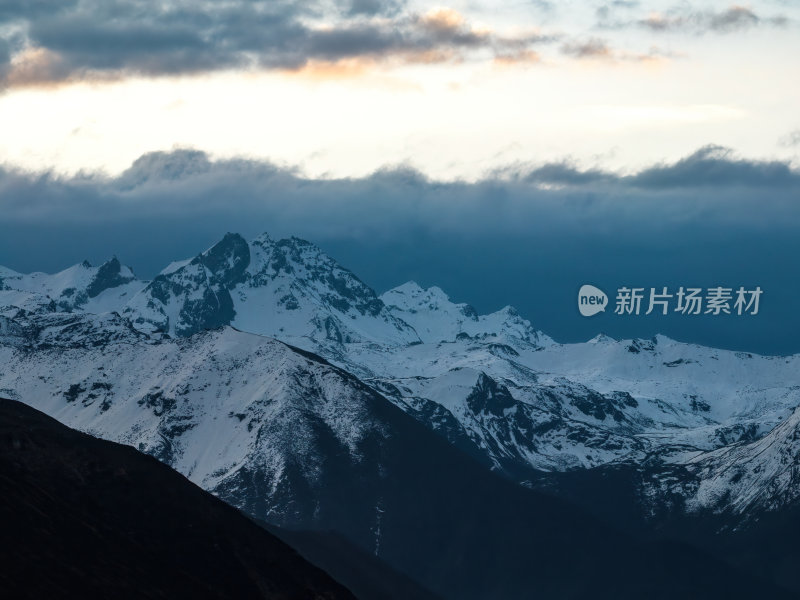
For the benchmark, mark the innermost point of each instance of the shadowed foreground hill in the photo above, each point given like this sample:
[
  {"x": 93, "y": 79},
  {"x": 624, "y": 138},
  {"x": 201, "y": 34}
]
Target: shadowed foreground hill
[
  {"x": 91, "y": 518},
  {"x": 84, "y": 517}
]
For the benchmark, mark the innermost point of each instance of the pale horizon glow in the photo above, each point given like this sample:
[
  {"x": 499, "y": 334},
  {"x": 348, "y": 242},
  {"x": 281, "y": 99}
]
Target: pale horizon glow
[{"x": 454, "y": 120}]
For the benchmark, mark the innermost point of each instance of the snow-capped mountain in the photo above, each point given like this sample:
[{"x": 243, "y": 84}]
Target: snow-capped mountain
[
  {"x": 80, "y": 287},
  {"x": 530, "y": 428},
  {"x": 492, "y": 385},
  {"x": 566, "y": 406},
  {"x": 436, "y": 319},
  {"x": 286, "y": 288},
  {"x": 219, "y": 406},
  {"x": 741, "y": 480},
  {"x": 295, "y": 441}
]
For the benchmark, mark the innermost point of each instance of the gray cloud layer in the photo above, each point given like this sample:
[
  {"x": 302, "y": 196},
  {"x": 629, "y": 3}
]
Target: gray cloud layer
[
  {"x": 685, "y": 19},
  {"x": 48, "y": 41},
  {"x": 55, "y": 40},
  {"x": 172, "y": 182}
]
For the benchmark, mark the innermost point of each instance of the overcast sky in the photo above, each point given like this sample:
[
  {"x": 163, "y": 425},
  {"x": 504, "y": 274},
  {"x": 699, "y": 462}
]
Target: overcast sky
[{"x": 507, "y": 151}]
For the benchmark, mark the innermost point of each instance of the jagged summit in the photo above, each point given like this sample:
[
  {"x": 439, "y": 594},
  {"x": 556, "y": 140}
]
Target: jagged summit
[
  {"x": 79, "y": 287},
  {"x": 287, "y": 288},
  {"x": 601, "y": 338},
  {"x": 263, "y": 238},
  {"x": 109, "y": 275},
  {"x": 436, "y": 318},
  {"x": 409, "y": 287},
  {"x": 413, "y": 298}
]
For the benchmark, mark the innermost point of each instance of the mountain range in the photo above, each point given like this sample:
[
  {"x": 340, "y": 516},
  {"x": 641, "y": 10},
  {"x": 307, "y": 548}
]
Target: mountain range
[{"x": 273, "y": 377}]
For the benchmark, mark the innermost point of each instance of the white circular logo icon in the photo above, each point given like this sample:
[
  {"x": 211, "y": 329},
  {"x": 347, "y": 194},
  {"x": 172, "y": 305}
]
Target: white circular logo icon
[{"x": 591, "y": 300}]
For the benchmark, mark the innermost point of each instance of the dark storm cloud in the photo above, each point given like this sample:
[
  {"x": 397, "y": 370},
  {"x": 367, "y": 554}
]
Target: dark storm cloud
[
  {"x": 684, "y": 19},
  {"x": 711, "y": 170},
  {"x": 114, "y": 38},
  {"x": 713, "y": 166},
  {"x": 187, "y": 182},
  {"x": 164, "y": 38}
]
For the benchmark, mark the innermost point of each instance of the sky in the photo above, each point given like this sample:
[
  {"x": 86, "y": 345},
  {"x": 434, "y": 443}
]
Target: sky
[{"x": 506, "y": 151}]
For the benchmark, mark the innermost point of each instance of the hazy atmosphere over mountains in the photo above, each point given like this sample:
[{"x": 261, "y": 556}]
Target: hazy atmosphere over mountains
[
  {"x": 459, "y": 300},
  {"x": 529, "y": 237}
]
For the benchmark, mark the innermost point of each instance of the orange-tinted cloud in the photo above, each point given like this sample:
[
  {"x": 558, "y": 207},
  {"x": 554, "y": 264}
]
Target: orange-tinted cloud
[
  {"x": 102, "y": 39},
  {"x": 599, "y": 49}
]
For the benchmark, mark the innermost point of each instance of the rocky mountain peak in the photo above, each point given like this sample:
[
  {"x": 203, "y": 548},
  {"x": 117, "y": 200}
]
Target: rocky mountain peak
[
  {"x": 226, "y": 261},
  {"x": 109, "y": 275},
  {"x": 304, "y": 266}
]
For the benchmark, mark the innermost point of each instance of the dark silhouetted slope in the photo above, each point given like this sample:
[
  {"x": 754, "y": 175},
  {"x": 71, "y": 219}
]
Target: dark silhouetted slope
[
  {"x": 82, "y": 517},
  {"x": 363, "y": 573}
]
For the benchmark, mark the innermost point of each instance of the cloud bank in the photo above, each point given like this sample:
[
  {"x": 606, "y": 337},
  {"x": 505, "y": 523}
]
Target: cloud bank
[
  {"x": 189, "y": 182},
  {"x": 528, "y": 235},
  {"x": 48, "y": 41}
]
